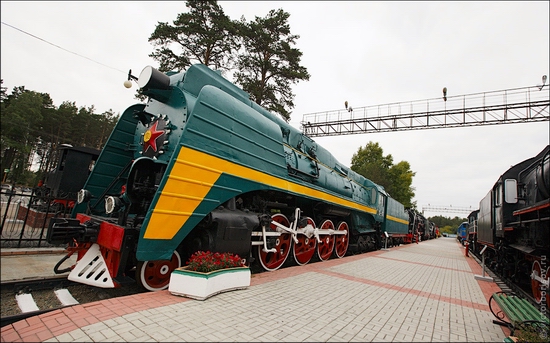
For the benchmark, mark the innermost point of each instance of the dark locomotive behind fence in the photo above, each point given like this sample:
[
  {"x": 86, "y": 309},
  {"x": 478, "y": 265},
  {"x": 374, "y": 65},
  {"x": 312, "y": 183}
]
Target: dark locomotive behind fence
[{"x": 25, "y": 212}]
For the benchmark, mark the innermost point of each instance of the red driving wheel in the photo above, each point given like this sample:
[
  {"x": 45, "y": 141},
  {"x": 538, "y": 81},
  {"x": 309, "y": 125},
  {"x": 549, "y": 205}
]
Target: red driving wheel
[
  {"x": 271, "y": 261},
  {"x": 155, "y": 275},
  {"x": 304, "y": 250},
  {"x": 342, "y": 241},
  {"x": 325, "y": 248}
]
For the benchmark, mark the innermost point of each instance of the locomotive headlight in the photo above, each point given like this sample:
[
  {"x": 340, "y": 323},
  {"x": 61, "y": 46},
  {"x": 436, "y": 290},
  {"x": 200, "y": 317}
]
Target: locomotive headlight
[
  {"x": 83, "y": 196},
  {"x": 128, "y": 83},
  {"x": 151, "y": 78},
  {"x": 112, "y": 204}
]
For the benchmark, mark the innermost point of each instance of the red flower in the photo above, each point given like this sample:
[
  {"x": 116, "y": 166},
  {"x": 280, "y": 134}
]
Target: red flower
[{"x": 207, "y": 261}]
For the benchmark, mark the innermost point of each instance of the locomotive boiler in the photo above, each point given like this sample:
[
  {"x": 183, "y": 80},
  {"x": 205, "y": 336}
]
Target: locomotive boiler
[
  {"x": 202, "y": 167},
  {"x": 513, "y": 221}
]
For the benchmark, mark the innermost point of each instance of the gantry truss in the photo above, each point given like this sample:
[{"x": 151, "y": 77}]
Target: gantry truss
[
  {"x": 448, "y": 209},
  {"x": 519, "y": 105}
]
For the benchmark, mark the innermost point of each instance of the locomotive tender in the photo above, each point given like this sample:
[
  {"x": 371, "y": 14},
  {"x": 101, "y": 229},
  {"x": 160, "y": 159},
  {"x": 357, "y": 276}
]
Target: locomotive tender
[
  {"x": 513, "y": 221},
  {"x": 202, "y": 167}
]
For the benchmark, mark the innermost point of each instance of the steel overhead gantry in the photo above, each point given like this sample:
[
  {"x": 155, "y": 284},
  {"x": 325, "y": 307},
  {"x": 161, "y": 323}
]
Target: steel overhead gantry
[
  {"x": 449, "y": 209},
  {"x": 518, "y": 105}
]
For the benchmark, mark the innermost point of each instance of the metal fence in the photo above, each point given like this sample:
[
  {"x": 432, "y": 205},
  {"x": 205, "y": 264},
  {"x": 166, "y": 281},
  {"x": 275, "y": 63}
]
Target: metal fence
[{"x": 25, "y": 218}]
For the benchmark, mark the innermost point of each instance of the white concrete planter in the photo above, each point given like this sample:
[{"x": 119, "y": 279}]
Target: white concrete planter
[{"x": 201, "y": 286}]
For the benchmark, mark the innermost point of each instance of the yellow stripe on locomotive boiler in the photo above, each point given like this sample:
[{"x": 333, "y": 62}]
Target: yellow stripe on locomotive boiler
[{"x": 202, "y": 167}]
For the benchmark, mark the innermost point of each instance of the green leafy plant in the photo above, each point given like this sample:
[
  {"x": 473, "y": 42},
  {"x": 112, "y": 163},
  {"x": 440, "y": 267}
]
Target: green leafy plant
[
  {"x": 532, "y": 332},
  {"x": 206, "y": 261}
]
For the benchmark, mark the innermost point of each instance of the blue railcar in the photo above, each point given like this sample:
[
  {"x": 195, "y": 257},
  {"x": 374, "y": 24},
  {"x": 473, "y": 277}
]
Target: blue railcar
[{"x": 462, "y": 232}]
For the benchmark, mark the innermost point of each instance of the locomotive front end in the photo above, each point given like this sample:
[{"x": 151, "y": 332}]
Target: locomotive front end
[
  {"x": 121, "y": 190},
  {"x": 159, "y": 190}
]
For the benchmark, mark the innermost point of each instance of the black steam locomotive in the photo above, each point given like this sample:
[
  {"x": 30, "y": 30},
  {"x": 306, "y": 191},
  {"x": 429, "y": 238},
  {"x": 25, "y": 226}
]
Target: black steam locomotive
[{"x": 513, "y": 221}]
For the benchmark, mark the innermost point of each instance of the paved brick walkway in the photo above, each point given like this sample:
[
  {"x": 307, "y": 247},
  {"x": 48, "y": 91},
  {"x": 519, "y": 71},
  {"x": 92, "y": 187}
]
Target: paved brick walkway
[{"x": 414, "y": 293}]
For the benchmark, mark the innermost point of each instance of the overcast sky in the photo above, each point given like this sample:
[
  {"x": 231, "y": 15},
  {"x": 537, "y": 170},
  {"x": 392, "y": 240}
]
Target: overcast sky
[{"x": 366, "y": 53}]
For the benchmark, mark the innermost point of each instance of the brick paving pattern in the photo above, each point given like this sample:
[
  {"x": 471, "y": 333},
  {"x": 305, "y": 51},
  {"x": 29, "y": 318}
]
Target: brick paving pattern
[{"x": 414, "y": 293}]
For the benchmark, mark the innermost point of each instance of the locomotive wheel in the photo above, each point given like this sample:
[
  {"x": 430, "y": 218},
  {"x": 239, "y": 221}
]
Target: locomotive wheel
[
  {"x": 341, "y": 241},
  {"x": 361, "y": 244},
  {"x": 272, "y": 261},
  {"x": 325, "y": 248},
  {"x": 535, "y": 284},
  {"x": 304, "y": 250},
  {"x": 155, "y": 275}
]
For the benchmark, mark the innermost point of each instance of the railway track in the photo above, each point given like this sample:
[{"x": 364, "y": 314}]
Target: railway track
[
  {"x": 21, "y": 299},
  {"x": 19, "y": 303}
]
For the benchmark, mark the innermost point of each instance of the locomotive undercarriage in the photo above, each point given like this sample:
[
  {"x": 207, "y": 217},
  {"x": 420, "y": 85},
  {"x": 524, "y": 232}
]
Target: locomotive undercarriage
[
  {"x": 395, "y": 241},
  {"x": 279, "y": 226},
  {"x": 287, "y": 227},
  {"x": 264, "y": 228},
  {"x": 520, "y": 255},
  {"x": 528, "y": 270},
  {"x": 361, "y": 243}
]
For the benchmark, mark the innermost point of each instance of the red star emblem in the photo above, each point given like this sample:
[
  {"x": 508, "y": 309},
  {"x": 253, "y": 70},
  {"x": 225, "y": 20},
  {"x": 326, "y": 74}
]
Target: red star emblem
[{"x": 150, "y": 138}]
